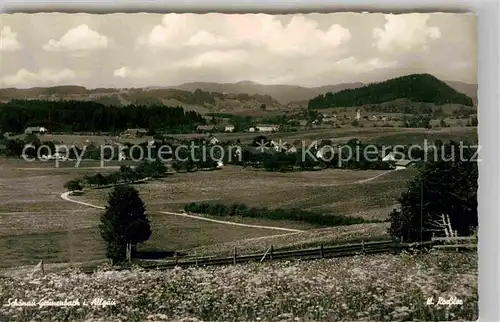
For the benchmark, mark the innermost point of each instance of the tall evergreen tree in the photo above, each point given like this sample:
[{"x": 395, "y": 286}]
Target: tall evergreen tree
[{"x": 124, "y": 221}]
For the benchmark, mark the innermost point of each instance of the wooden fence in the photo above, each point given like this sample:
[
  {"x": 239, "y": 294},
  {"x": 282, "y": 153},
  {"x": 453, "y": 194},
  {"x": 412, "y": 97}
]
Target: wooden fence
[{"x": 374, "y": 247}]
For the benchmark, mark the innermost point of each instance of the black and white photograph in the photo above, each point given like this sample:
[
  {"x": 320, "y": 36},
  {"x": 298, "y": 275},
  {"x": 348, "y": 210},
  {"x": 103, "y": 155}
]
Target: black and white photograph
[{"x": 239, "y": 167}]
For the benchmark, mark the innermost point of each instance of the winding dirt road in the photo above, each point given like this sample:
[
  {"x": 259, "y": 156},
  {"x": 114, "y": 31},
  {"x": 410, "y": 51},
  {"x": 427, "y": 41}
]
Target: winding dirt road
[{"x": 65, "y": 196}]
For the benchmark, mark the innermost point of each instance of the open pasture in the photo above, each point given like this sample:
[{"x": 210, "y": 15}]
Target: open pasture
[
  {"x": 346, "y": 192},
  {"x": 35, "y": 223}
]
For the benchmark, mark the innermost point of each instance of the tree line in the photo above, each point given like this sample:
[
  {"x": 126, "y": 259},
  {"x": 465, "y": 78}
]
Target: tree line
[
  {"x": 86, "y": 116},
  {"x": 243, "y": 210},
  {"x": 125, "y": 175}
]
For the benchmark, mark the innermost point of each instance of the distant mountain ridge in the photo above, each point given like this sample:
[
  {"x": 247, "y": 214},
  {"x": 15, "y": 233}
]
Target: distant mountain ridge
[
  {"x": 227, "y": 96},
  {"x": 284, "y": 94}
]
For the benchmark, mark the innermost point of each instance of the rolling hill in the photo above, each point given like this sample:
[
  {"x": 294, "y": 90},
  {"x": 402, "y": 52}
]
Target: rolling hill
[
  {"x": 216, "y": 97},
  {"x": 284, "y": 94},
  {"x": 416, "y": 87}
]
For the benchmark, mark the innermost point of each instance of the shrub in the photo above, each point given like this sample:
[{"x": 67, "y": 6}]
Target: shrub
[{"x": 275, "y": 214}]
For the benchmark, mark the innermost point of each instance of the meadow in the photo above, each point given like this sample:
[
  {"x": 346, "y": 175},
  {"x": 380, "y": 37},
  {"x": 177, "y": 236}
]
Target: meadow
[
  {"x": 360, "y": 288},
  {"x": 37, "y": 224},
  {"x": 383, "y": 135}
]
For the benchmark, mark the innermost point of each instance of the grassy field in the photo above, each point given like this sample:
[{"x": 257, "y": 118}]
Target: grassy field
[
  {"x": 307, "y": 239},
  {"x": 330, "y": 191},
  {"x": 35, "y": 223},
  {"x": 359, "y": 288},
  {"x": 381, "y": 135}
]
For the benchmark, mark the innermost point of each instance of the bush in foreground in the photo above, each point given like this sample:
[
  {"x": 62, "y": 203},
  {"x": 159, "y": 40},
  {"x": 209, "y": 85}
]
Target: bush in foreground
[{"x": 363, "y": 288}]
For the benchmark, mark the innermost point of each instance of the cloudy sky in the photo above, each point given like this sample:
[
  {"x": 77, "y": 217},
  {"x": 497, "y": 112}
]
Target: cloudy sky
[{"x": 135, "y": 50}]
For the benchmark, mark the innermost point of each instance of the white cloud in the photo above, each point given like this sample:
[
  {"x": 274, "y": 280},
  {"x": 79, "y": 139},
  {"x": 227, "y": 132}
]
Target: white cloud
[
  {"x": 300, "y": 36},
  {"x": 8, "y": 40},
  {"x": 214, "y": 58},
  {"x": 80, "y": 38},
  {"x": 42, "y": 77},
  {"x": 405, "y": 33},
  {"x": 127, "y": 72}
]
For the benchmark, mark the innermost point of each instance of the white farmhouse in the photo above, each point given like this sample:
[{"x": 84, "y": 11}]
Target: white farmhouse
[
  {"x": 229, "y": 128},
  {"x": 403, "y": 164},
  {"x": 268, "y": 127},
  {"x": 389, "y": 157},
  {"x": 214, "y": 140}
]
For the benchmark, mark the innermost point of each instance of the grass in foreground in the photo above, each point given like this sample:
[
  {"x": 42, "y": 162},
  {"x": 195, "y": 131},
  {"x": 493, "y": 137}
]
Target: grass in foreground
[
  {"x": 383, "y": 287},
  {"x": 294, "y": 241}
]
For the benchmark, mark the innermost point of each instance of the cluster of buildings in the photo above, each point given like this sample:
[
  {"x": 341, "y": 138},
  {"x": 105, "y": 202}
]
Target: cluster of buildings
[
  {"x": 134, "y": 133},
  {"x": 230, "y": 128},
  {"x": 35, "y": 130}
]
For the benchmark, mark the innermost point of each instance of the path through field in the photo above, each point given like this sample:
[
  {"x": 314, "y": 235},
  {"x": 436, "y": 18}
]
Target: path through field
[{"x": 65, "y": 196}]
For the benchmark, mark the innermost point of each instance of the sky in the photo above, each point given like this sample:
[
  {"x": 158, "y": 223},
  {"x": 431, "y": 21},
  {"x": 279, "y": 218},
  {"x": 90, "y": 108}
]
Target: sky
[{"x": 139, "y": 50}]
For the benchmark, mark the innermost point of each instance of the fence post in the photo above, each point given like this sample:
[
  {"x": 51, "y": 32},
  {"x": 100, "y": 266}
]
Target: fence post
[
  {"x": 234, "y": 256},
  {"x": 129, "y": 252},
  {"x": 43, "y": 269},
  {"x": 321, "y": 251},
  {"x": 271, "y": 253}
]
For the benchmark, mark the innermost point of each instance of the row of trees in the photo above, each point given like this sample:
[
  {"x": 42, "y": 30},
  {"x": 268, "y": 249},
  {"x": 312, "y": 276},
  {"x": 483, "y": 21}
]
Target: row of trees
[
  {"x": 78, "y": 116},
  {"x": 125, "y": 175},
  {"x": 288, "y": 161},
  {"x": 242, "y": 210}
]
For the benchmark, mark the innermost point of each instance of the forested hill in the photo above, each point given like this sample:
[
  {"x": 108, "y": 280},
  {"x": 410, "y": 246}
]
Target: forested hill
[{"x": 417, "y": 88}]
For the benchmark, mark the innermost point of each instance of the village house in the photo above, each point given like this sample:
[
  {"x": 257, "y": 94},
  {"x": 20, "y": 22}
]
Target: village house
[
  {"x": 35, "y": 130},
  {"x": 403, "y": 164},
  {"x": 267, "y": 128},
  {"x": 229, "y": 128},
  {"x": 213, "y": 140},
  {"x": 134, "y": 133},
  {"x": 252, "y": 129},
  {"x": 205, "y": 128},
  {"x": 389, "y": 157},
  {"x": 330, "y": 119}
]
